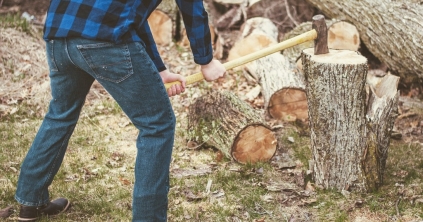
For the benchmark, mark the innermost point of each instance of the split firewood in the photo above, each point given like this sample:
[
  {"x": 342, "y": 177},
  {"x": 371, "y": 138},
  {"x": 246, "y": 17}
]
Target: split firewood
[
  {"x": 349, "y": 143},
  {"x": 224, "y": 121},
  {"x": 382, "y": 111},
  {"x": 391, "y": 30}
]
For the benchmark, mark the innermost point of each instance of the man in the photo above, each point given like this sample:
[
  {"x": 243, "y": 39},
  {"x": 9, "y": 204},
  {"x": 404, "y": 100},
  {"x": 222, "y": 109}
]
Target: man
[{"x": 110, "y": 41}]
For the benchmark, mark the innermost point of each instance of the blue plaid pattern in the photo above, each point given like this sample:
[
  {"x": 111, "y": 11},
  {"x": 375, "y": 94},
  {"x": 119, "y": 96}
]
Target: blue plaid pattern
[{"x": 123, "y": 21}]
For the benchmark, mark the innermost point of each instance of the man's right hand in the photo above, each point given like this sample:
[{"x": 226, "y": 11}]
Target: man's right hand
[{"x": 214, "y": 70}]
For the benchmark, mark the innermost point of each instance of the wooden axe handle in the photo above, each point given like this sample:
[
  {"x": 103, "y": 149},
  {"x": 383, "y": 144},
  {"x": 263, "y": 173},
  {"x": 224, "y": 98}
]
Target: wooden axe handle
[{"x": 307, "y": 36}]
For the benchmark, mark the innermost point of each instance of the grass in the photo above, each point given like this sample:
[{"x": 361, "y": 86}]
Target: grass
[{"x": 97, "y": 174}]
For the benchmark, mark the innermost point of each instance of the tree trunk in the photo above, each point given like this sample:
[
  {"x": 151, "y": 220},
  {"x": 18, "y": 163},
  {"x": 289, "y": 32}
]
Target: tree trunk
[
  {"x": 391, "y": 30},
  {"x": 349, "y": 143},
  {"x": 283, "y": 89},
  {"x": 336, "y": 100},
  {"x": 229, "y": 124}
]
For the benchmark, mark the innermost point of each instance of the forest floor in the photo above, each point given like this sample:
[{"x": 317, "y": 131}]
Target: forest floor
[{"x": 97, "y": 173}]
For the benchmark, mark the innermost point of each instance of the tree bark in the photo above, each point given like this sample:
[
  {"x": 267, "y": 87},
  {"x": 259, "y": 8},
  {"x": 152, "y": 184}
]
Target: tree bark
[
  {"x": 336, "y": 101},
  {"x": 282, "y": 88},
  {"x": 391, "y": 30},
  {"x": 350, "y": 134},
  {"x": 381, "y": 114},
  {"x": 229, "y": 124}
]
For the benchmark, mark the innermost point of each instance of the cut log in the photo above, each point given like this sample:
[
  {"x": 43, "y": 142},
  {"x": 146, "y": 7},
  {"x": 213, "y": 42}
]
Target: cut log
[
  {"x": 282, "y": 88},
  {"x": 391, "y": 30},
  {"x": 341, "y": 35},
  {"x": 257, "y": 33},
  {"x": 224, "y": 121},
  {"x": 161, "y": 27},
  {"x": 349, "y": 143}
]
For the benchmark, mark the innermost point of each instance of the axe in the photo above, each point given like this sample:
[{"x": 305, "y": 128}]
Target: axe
[{"x": 318, "y": 33}]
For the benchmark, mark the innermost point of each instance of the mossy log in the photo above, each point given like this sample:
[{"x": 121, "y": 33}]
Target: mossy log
[
  {"x": 222, "y": 120},
  {"x": 391, "y": 30},
  {"x": 349, "y": 143}
]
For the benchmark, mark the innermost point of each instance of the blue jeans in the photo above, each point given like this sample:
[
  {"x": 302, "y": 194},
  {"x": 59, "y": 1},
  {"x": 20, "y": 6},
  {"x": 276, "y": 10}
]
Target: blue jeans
[{"x": 130, "y": 77}]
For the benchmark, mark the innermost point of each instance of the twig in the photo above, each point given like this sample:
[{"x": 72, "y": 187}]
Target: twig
[
  {"x": 1, "y": 3},
  {"x": 396, "y": 205}
]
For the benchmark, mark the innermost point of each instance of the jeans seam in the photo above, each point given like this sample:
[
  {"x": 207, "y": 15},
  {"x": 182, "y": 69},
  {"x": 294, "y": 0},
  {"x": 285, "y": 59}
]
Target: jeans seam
[
  {"x": 52, "y": 60},
  {"x": 67, "y": 54}
]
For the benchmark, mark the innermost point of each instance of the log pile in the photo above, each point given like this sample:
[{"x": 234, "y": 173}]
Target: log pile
[{"x": 329, "y": 92}]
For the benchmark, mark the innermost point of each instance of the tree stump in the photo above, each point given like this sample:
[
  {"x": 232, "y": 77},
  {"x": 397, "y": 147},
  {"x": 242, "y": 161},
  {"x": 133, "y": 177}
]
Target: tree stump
[
  {"x": 336, "y": 101},
  {"x": 349, "y": 141},
  {"x": 222, "y": 120}
]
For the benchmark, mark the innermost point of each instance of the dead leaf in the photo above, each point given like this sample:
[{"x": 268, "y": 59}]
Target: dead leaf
[
  {"x": 192, "y": 197},
  {"x": 219, "y": 156},
  {"x": 309, "y": 187},
  {"x": 124, "y": 181},
  {"x": 263, "y": 219},
  {"x": 192, "y": 145}
]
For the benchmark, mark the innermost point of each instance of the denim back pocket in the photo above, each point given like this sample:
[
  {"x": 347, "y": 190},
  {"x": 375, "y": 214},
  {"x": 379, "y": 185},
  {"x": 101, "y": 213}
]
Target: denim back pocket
[
  {"x": 50, "y": 56},
  {"x": 108, "y": 61}
]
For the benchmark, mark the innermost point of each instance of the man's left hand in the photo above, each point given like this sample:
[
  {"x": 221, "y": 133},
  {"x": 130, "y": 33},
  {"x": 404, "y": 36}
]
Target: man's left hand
[{"x": 176, "y": 89}]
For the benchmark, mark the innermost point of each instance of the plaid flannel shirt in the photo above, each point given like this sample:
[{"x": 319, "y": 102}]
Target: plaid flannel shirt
[{"x": 123, "y": 21}]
